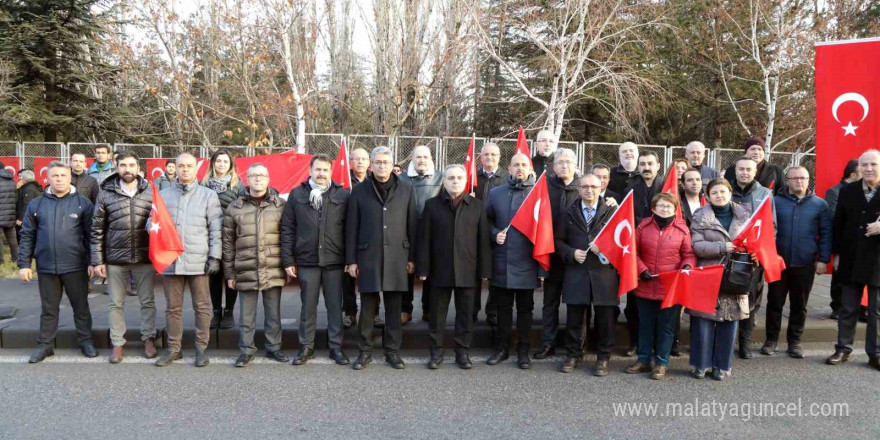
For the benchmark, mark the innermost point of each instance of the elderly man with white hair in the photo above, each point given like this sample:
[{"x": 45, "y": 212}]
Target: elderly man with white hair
[
  {"x": 545, "y": 146},
  {"x": 426, "y": 184},
  {"x": 621, "y": 175},
  {"x": 695, "y": 153}
]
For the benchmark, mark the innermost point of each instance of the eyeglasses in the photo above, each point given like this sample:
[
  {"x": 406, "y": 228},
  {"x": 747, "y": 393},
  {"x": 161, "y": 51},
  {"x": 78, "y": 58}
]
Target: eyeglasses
[
  {"x": 258, "y": 176},
  {"x": 798, "y": 178},
  {"x": 589, "y": 186}
]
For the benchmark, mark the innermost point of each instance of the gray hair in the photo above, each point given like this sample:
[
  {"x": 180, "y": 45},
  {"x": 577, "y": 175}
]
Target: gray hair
[
  {"x": 417, "y": 147},
  {"x": 26, "y": 176},
  {"x": 545, "y": 134},
  {"x": 184, "y": 154},
  {"x": 58, "y": 164},
  {"x": 489, "y": 144},
  {"x": 694, "y": 144},
  {"x": 560, "y": 152},
  {"x": 871, "y": 151},
  {"x": 257, "y": 165},
  {"x": 380, "y": 150},
  {"x": 455, "y": 166},
  {"x": 795, "y": 167}
]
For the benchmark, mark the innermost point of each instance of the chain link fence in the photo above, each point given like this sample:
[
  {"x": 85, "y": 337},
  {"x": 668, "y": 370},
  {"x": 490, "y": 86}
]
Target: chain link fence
[
  {"x": 30, "y": 150},
  {"x": 11, "y": 149},
  {"x": 323, "y": 143},
  {"x": 142, "y": 151},
  {"x": 172, "y": 151},
  {"x": 508, "y": 148},
  {"x": 404, "y": 146},
  {"x": 455, "y": 150},
  {"x": 87, "y": 149}
]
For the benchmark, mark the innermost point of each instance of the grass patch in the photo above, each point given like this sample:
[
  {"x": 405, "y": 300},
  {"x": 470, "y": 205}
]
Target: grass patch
[{"x": 9, "y": 268}]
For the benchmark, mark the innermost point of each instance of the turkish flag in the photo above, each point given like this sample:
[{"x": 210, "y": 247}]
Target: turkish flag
[
  {"x": 846, "y": 89},
  {"x": 534, "y": 220},
  {"x": 155, "y": 168},
  {"x": 865, "y": 297},
  {"x": 41, "y": 169},
  {"x": 470, "y": 166},
  {"x": 286, "y": 170},
  {"x": 341, "y": 173},
  {"x": 671, "y": 186},
  {"x": 522, "y": 146},
  {"x": 165, "y": 244},
  {"x": 617, "y": 241},
  {"x": 759, "y": 238},
  {"x": 11, "y": 164},
  {"x": 695, "y": 289}
]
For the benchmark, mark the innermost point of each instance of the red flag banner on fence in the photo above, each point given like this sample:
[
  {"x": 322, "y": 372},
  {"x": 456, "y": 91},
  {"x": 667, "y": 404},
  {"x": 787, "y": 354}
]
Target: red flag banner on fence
[
  {"x": 165, "y": 244},
  {"x": 617, "y": 241},
  {"x": 695, "y": 289},
  {"x": 286, "y": 170},
  {"x": 534, "y": 219},
  {"x": 155, "y": 168},
  {"x": 846, "y": 89},
  {"x": 759, "y": 238},
  {"x": 10, "y": 163},
  {"x": 522, "y": 146},
  {"x": 41, "y": 169},
  {"x": 341, "y": 171}
]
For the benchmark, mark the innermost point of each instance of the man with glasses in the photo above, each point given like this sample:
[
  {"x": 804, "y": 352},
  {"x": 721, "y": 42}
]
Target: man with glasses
[
  {"x": 380, "y": 252},
  {"x": 545, "y": 146}
]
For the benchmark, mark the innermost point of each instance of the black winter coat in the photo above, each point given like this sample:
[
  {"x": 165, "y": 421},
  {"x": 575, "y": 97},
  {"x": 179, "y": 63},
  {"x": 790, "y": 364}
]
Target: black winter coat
[
  {"x": 769, "y": 176},
  {"x": 232, "y": 193},
  {"x": 859, "y": 255},
  {"x": 380, "y": 235},
  {"x": 453, "y": 247},
  {"x": 86, "y": 185},
  {"x": 27, "y": 192},
  {"x": 119, "y": 233},
  {"x": 485, "y": 184},
  {"x": 562, "y": 197},
  {"x": 55, "y": 232},
  {"x": 310, "y": 237},
  {"x": 620, "y": 179},
  {"x": 642, "y": 196},
  {"x": 7, "y": 199},
  {"x": 590, "y": 282}
]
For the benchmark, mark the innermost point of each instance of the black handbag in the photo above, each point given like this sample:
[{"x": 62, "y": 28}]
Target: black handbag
[{"x": 739, "y": 272}]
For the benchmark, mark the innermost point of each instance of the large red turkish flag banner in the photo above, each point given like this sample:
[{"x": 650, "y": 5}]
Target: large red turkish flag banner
[
  {"x": 10, "y": 163},
  {"x": 847, "y": 105},
  {"x": 41, "y": 169},
  {"x": 155, "y": 168},
  {"x": 617, "y": 242},
  {"x": 534, "y": 219}
]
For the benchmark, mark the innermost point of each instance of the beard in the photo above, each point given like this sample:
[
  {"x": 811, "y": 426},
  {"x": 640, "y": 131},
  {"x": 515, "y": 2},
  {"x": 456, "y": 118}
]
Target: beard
[
  {"x": 128, "y": 177},
  {"x": 628, "y": 163}
]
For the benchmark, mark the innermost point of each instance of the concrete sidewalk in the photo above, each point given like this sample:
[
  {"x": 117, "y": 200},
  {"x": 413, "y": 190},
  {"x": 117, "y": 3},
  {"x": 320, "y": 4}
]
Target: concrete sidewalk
[{"x": 21, "y": 330}]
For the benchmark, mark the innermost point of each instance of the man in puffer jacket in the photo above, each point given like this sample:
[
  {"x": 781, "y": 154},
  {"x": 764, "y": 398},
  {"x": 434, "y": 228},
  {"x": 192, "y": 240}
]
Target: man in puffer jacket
[
  {"x": 7, "y": 212},
  {"x": 252, "y": 262},
  {"x": 195, "y": 210},
  {"x": 121, "y": 251}
]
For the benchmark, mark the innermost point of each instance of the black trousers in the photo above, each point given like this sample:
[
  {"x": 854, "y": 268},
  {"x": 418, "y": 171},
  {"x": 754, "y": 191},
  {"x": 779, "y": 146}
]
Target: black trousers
[
  {"x": 577, "y": 317},
  {"x": 632, "y": 319},
  {"x": 409, "y": 296},
  {"x": 795, "y": 284},
  {"x": 850, "y": 301},
  {"x": 349, "y": 297},
  {"x": 836, "y": 289},
  {"x": 746, "y": 326},
  {"x": 525, "y": 303},
  {"x": 217, "y": 285},
  {"x": 464, "y": 316},
  {"x": 76, "y": 285},
  {"x": 491, "y": 308},
  {"x": 550, "y": 312},
  {"x": 392, "y": 334}
]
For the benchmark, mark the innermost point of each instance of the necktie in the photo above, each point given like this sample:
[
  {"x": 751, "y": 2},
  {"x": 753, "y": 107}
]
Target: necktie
[{"x": 588, "y": 214}]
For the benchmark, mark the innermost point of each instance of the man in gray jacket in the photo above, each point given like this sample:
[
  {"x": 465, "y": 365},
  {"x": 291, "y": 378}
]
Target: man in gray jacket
[
  {"x": 426, "y": 183},
  {"x": 195, "y": 210}
]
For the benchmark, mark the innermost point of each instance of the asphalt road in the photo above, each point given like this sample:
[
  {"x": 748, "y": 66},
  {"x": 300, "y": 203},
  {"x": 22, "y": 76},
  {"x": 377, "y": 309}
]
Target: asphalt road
[{"x": 71, "y": 397}]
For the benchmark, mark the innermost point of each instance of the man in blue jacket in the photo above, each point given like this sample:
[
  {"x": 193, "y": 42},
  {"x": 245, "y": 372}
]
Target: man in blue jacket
[
  {"x": 804, "y": 233},
  {"x": 55, "y": 232}
]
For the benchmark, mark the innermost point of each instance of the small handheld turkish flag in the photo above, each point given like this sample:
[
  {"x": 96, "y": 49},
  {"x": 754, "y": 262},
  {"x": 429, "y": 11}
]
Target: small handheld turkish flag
[
  {"x": 470, "y": 166},
  {"x": 522, "y": 146},
  {"x": 617, "y": 241},
  {"x": 534, "y": 219},
  {"x": 340, "y": 172},
  {"x": 165, "y": 244},
  {"x": 759, "y": 238},
  {"x": 671, "y": 186},
  {"x": 695, "y": 289},
  {"x": 865, "y": 297}
]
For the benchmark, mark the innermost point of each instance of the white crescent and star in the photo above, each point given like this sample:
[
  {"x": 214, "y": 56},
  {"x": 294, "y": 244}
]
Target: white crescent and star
[
  {"x": 11, "y": 169},
  {"x": 620, "y": 227},
  {"x": 154, "y": 227},
  {"x": 537, "y": 210},
  {"x": 849, "y": 128},
  {"x": 153, "y": 173}
]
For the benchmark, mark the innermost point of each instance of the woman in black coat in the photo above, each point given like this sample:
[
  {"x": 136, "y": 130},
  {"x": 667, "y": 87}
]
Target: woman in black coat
[{"x": 455, "y": 253}]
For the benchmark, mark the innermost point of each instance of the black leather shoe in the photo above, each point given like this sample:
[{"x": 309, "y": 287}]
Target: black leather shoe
[
  {"x": 838, "y": 357},
  {"x": 601, "y": 369},
  {"x": 201, "y": 358},
  {"x": 498, "y": 357},
  {"x": 463, "y": 360},
  {"x": 795, "y": 350},
  {"x": 227, "y": 322},
  {"x": 569, "y": 364},
  {"x": 435, "y": 361},
  {"x": 215, "y": 319},
  {"x": 676, "y": 348},
  {"x": 88, "y": 350},
  {"x": 394, "y": 361},
  {"x": 523, "y": 361},
  {"x": 362, "y": 361},
  {"x": 243, "y": 360},
  {"x": 338, "y": 356},
  {"x": 545, "y": 351},
  {"x": 769, "y": 348},
  {"x": 168, "y": 357},
  {"x": 874, "y": 362},
  {"x": 303, "y": 356},
  {"x": 40, "y": 354},
  {"x": 745, "y": 352},
  {"x": 277, "y": 356}
]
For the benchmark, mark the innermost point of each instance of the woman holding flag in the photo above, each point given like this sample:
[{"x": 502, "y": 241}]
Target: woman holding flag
[
  {"x": 712, "y": 335},
  {"x": 664, "y": 244}
]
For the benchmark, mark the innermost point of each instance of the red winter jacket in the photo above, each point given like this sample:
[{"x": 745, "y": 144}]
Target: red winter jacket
[{"x": 662, "y": 251}]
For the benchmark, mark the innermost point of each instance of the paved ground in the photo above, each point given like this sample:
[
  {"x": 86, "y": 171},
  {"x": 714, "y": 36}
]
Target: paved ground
[{"x": 71, "y": 397}]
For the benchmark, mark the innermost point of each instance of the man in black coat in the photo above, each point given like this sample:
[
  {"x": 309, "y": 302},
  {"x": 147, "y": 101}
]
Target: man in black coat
[
  {"x": 768, "y": 175},
  {"x": 8, "y": 212},
  {"x": 857, "y": 258},
  {"x": 454, "y": 253},
  {"x": 588, "y": 280},
  {"x": 490, "y": 175},
  {"x": 55, "y": 232},
  {"x": 313, "y": 250},
  {"x": 360, "y": 163},
  {"x": 851, "y": 174},
  {"x": 545, "y": 148},
  {"x": 380, "y": 234},
  {"x": 120, "y": 251},
  {"x": 623, "y": 173},
  {"x": 691, "y": 193},
  {"x": 85, "y": 184}
]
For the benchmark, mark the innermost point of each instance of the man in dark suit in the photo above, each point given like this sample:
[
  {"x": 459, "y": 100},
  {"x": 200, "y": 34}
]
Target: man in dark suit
[
  {"x": 588, "y": 281},
  {"x": 857, "y": 258},
  {"x": 851, "y": 174},
  {"x": 490, "y": 175},
  {"x": 360, "y": 163},
  {"x": 380, "y": 252}
]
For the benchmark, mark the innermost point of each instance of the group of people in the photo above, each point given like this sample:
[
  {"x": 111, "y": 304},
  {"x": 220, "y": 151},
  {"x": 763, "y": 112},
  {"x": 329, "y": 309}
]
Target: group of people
[{"x": 242, "y": 239}]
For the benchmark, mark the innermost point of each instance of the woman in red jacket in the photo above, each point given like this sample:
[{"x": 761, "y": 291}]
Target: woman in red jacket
[{"x": 664, "y": 244}]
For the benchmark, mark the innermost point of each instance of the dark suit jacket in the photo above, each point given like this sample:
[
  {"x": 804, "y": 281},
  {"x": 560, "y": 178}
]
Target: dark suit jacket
[
  {"x": 591, "y": 282},
  {"x": 859, "y": 255}
]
